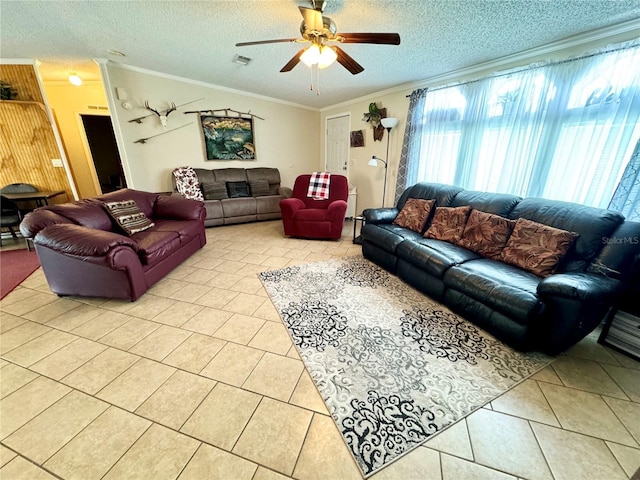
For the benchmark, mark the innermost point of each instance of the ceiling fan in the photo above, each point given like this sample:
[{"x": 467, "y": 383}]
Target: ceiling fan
[{"x": 320, "y": 30}]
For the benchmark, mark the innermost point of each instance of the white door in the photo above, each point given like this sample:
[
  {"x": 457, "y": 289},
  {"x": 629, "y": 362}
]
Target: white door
[{"x": 337, "y": 147}]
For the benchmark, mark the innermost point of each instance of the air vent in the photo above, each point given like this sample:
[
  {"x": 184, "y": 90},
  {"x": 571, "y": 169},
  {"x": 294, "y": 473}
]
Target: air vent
[
  {"x": 97, "y": 107},
  {"x": 239, "y": 59}
]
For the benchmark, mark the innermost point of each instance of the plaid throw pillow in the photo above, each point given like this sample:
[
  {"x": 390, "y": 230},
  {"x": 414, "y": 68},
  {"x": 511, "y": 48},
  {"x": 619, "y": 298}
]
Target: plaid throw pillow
[{"x": 128, "y": 216}]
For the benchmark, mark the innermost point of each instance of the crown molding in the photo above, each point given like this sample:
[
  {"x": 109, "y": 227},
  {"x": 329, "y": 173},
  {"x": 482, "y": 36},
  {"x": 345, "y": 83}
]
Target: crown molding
[
  {"x": 525, "y": 56},
  {"x": 123, "y": 66}
]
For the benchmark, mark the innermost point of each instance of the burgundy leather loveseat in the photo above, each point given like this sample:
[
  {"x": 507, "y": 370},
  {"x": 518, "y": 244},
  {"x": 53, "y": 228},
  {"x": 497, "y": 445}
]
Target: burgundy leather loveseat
[{"x": 84, "y": 252}]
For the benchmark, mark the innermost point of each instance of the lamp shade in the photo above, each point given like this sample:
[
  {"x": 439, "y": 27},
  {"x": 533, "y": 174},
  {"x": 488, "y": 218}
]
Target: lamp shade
[
  {"x": 373, "y": 162},
  {"x": 389, "y": 122}
]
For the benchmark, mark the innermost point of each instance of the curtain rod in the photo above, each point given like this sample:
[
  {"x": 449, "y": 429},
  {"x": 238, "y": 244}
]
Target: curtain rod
[{"x": 625, "y": 46}]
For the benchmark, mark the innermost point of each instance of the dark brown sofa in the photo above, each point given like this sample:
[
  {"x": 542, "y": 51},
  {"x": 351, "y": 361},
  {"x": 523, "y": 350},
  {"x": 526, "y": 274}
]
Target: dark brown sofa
[{"x": 84, "y": 252}]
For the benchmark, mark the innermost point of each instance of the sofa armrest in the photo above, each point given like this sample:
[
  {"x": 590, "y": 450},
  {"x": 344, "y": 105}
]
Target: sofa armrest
[
  {"x": 286, "y": 192},
  {"x": 40, "y": 219},
  {"x": 82, "y": 241},
  {"x": 178, "y": 208},
  {"x": 336, "y": 210},
  {"x": 580, "y": 286},
  {"x": 380, "y": 215},
  {"x": 289, "y": 206}
]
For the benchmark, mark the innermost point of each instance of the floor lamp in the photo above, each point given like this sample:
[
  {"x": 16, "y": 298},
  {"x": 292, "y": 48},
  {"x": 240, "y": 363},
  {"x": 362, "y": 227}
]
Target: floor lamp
[{"x": 387, "y": 123}]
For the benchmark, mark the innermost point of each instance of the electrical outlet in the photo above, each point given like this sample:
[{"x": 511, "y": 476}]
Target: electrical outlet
[{"x": 57, "y": 162}]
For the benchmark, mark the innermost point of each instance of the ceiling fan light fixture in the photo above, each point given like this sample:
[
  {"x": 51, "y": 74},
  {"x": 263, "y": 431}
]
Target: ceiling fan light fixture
[
  {"x": 320, "y": 55},
  {"x": 327, "y": 57},
  {"x": 310, "y": 55}
]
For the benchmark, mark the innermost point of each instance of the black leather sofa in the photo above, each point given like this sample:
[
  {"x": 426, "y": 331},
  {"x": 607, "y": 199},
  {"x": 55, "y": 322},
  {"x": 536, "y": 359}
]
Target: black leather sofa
[{"x": 525, "y": 311}]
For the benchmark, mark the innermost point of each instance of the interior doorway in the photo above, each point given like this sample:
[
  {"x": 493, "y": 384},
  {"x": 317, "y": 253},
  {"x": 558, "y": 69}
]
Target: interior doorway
[{"x": 104, "y": 151}]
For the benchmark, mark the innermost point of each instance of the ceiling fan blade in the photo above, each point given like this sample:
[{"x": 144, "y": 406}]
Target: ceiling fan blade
[
  {"x": 293, "y": 62},
  {"x": 347, "y": 61},
  {"x": 262, "y": 42},
  {"x": 312, "y": 18},
  {"x": 378, "y": 38}
]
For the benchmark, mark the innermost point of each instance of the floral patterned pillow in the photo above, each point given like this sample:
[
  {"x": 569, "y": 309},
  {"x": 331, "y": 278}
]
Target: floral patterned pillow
[
  {"x": 536, "y": 247},
  {"x": 486, "y": 233},
  {"x": 448, "y": 224},
  {"x": 414, "y": 214},
  {"x": 187, "y": 183}
]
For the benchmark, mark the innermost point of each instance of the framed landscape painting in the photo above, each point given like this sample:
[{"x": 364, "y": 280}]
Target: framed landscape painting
[{"x": 228, "y": 138}]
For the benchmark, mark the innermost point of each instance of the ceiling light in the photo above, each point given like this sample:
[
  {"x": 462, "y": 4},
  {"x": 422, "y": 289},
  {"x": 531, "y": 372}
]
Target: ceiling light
[
  {"x": 239, "y": 59},
  {"x": 320, "y": 55},
  {"x": 75, "y": 79}
]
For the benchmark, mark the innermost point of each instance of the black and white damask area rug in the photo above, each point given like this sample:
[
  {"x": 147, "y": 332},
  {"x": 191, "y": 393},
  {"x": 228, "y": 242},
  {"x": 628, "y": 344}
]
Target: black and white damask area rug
[{"x": 393, "y": 367}]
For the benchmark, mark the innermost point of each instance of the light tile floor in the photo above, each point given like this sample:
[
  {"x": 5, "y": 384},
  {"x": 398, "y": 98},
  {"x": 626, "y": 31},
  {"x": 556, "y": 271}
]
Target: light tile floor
[{"x": 199, "y": 379}]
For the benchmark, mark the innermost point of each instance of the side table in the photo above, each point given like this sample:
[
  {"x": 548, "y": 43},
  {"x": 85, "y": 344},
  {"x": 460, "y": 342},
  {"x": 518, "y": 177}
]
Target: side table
[{"x": 359, "y": 218}]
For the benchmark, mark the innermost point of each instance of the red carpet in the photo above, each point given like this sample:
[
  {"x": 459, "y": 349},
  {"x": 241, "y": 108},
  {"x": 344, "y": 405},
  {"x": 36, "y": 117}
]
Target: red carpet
[{"x": 15, "y": 267}]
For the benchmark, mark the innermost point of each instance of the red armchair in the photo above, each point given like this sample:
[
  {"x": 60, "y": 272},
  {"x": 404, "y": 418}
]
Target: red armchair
[{"x": 302, "y": 216}]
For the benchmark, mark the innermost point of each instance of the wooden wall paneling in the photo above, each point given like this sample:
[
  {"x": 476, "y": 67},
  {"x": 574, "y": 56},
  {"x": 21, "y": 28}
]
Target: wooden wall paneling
[
  {"x": 23, "y": 78},
  {"x": 27, "y": 147},
  {"x": 27, "y": 140}
]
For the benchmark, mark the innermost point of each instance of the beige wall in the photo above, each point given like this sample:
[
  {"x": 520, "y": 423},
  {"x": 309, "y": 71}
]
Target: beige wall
[
  {"x": 288, "y": 138},
  {"x": 369, "y": 180},
  {"x": 68, "y": 102}
]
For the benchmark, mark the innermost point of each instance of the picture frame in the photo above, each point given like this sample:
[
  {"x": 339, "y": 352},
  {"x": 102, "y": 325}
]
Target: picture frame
[
  {"x": 357, "y": 138},
  {"x": 228, "y": 138}
]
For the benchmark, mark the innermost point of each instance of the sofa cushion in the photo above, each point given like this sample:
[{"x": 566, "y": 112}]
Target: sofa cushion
[
  {"x": 504, "y": 288},
  {"x": 536, "y": 247},
  {"x": 187, "y": 183},
  {"x": 230, "y": 174},
  {"x": 270, "y": 174},
  {"x": 387, "y": 236},
  {"x": 415, "y": 214},
  {"x": 128, "y": 216},
  {"x": 214, "y": 190},
  {"x": 259, "y": 188},
  {"x": 448, "y": 224},
  {"x": 497, "y": 203},
  {"x": 238, "y": 189},
  {"x": 238, "y": 207},
  {"x": 441, "y": 193},
  {"x": 486, "y": 233},
  {"x": 434, "y": 256},
  {"x": 154, "y": 245},
  {"x": 268, "y": 204},
  {"x": 88, "y": 213},
  {"x": 592, "y": 224},
  {"x": 186, "y": 229}
]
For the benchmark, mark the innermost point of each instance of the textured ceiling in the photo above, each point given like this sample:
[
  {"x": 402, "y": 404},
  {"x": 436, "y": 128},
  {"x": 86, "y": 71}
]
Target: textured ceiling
[{"x": 196, "y": 39}]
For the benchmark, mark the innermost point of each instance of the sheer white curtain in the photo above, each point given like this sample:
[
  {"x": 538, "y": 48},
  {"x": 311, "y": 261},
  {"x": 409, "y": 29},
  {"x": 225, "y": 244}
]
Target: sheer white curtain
[{"x": 560, "y": 130}]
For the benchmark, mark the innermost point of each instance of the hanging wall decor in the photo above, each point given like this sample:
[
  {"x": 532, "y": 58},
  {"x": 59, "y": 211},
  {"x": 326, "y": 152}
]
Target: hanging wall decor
[
  {"x": 228, "y": 138},
  {"x": 357, "y": 138}
]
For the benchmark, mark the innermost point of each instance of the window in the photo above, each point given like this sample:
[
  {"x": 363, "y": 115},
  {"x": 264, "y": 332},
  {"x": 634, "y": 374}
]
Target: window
[{"x": 563, "y": 130}]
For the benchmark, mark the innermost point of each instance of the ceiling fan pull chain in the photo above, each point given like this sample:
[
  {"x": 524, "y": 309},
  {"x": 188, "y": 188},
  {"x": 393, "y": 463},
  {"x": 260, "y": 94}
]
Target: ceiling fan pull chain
[
  {"x": 317, "y": 81},
  {"x": 311, "y": 73}
]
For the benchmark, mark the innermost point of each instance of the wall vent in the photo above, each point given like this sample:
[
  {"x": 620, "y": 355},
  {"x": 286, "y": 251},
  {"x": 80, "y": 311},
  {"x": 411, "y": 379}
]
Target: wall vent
[{"x": 97, "y": 107}]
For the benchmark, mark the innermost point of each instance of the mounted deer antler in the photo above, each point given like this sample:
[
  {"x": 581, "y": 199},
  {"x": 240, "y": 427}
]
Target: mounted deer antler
[{"x": 162, "y": 116}]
